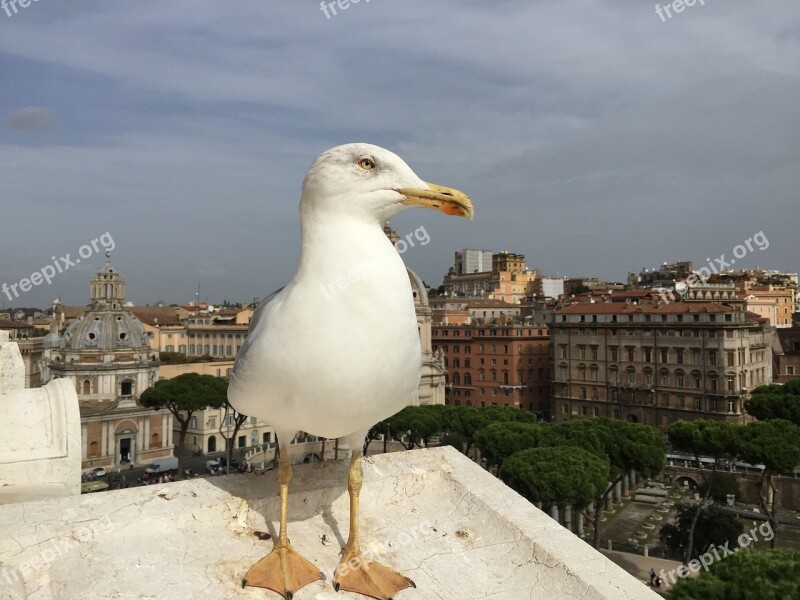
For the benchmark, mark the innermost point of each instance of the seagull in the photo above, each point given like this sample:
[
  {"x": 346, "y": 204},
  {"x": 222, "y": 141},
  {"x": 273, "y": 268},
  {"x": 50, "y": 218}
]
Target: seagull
[{"x": 338, "y": 350}]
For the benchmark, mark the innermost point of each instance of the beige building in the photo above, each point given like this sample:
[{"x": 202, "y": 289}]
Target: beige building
[
  {"x": 509, "y": 280},
  {"x": 656, "y": 363},
  {"x": 106, "y": 354},
  {"x": 774, "y": 304}
]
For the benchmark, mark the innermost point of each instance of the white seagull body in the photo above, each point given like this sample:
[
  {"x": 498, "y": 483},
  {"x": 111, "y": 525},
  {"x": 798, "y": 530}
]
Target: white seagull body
[{"x": 338, "y": 349}]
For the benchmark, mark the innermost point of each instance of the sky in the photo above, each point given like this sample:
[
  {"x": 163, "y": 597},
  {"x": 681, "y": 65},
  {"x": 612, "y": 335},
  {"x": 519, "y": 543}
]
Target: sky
[{"x": 597, "y": 137}]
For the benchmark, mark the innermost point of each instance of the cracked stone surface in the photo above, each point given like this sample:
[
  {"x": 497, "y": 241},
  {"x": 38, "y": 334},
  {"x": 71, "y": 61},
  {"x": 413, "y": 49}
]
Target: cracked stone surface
[{"x": 434, "y": 515}]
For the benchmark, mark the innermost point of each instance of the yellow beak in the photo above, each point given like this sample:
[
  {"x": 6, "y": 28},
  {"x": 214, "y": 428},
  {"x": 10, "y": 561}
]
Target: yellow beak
[{"x": 443, "y": 199}]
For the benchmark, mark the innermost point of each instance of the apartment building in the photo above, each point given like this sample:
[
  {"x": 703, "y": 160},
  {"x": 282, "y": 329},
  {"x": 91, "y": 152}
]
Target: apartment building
[
  {"x": 654, "y": 363},
  {"x": 503, "y": 363}
]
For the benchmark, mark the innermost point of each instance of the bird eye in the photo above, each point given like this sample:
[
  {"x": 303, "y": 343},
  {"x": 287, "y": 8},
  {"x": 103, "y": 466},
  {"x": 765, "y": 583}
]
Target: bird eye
[{"x": 366, "y": 163}]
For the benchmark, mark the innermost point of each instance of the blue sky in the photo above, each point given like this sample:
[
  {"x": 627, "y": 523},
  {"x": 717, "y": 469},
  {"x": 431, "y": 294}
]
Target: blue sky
[{"x": 593, "y": 137}]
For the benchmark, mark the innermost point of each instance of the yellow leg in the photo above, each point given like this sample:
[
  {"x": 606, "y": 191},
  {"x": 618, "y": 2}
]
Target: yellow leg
[
  {"x": 357, "y": 573},
  {"x": 283, "y": 570}
]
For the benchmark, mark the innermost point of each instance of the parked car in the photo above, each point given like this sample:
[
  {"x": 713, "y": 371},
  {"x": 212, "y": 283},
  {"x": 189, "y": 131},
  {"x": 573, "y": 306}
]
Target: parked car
[
  {"x": 117, "y": 481},
  {"x": 213, "y": 466},
  {"x": 224, "y": 461},
  {"x": 93, "y": 486},
  {"x": 98, "y": 472}
]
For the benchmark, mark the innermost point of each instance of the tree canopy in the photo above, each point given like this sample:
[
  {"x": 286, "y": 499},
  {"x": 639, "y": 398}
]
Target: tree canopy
[
  {"x": 468, "y": 420},
  {"x": 185, "y": 394},
  {"x": 776, "y": 402},
  {"x": 713, "y": 526},
  {"x": 497, "y": 441},
  {"x": 563, "y": 476},
  {"x": 746, "y": 575}
]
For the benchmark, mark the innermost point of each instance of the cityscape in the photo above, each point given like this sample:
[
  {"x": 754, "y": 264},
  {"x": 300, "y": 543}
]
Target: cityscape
[{"x": 250, "y": 350}]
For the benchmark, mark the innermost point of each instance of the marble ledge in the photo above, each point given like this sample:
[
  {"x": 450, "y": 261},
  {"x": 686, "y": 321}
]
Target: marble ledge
[{"x": 434, "y": 515}]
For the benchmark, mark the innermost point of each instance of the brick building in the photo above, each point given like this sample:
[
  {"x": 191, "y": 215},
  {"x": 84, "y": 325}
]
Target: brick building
[{"x": 495, "y": 364}]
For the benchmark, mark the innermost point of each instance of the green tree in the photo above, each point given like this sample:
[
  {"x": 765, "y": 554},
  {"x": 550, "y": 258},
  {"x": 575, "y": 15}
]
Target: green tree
[
  {"x": 468, "y": 420},
  {"x": 497, "y": 441},
  {"x": 776, "y": 402},
  {"x": 419, "y": 423},
  {"x": 746, "y": 575},
  {"x": 185, "y": 394},
  {"x": 627, "y": 446},
  {"x": 238, "y": 419},
  {"x": 776, "y": 445},
  {"x": 455, "y": 440},
  {"x": 713, "y": 526},
  {"x": 721, "y": 486},
  {"x": 712, "y": 439},
  {"x": 563, "y": 476}
]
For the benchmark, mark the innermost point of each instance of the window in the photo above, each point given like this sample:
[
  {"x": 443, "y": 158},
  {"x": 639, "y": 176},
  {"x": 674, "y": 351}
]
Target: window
[
  {"x": 126, "y": 389},
  {"x": 680, "y": 379},
  {"x": 631, "y": 353},
  {"x": 594, "y": 352},
  {"x": 242, "y": 441},
  {"x": 712, "y": 356},
  {"x": 648, "y": 354},
  {"x": 679, "y": 355},
  {"x": 664, "y": 355},
  {"x": 614, "y": 351}
]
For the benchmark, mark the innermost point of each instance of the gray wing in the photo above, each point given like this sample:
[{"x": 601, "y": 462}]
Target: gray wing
[{"x": 258, "y": 314}]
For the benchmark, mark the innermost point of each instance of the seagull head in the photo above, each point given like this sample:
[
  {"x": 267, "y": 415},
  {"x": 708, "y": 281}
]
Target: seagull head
[{"x": 373, "y": 183}]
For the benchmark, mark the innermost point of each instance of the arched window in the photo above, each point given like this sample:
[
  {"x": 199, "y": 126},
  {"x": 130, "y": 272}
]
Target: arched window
[
  {"x": 467, "y": 379},
  {"x": 94, "y": 449},
  {"x": 155, "y": 441},
  {"x": 212, "y": 443},
  {"x": 86, "y": 387}
]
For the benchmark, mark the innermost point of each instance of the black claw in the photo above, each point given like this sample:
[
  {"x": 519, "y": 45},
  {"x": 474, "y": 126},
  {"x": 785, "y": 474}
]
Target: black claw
[
  {"x": 289, "y": 595},
  {"x": 323, "y": 576},
  {"x": 414, "y": 585},
  {"x": 336, "y": 585}
]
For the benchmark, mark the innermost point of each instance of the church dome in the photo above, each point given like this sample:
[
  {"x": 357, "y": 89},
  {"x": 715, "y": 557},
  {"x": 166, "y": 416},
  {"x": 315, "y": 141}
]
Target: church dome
[
  {"x": 51, "y": 340},
  {"x": 106, "y": 330},
  {"x": 107, "y": 325},
  {"x": 418, "y": 289}
]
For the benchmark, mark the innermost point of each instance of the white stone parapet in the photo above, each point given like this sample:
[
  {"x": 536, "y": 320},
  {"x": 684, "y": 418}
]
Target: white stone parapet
[
  {"x": 434, "y": 515},
  {"x": 40, "y": 434}
]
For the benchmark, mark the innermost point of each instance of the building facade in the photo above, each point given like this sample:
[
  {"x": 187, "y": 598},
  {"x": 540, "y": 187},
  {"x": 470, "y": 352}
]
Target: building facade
[
  {"x": 655, "y": 363},
  {"x": 503, "y": 364},
  {"x": 107, "y": 356}
]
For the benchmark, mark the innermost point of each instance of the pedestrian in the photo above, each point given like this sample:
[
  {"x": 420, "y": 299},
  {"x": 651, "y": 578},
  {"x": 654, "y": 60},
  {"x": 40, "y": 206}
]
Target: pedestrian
[{"x": 652, "y": 576}]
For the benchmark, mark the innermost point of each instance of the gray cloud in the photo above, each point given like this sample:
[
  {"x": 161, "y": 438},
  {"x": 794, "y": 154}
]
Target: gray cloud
[{"x": 33, "y": 118}]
